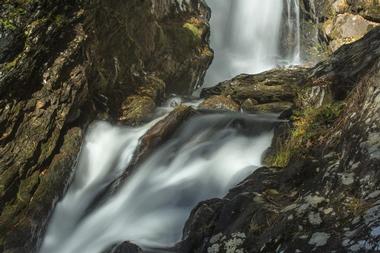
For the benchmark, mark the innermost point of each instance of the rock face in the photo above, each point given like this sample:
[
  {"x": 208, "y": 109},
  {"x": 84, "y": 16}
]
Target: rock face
[
  {"x": 346, "y": 28},
  {"x": 65, "y": 63},
  {"x": 328, "y": 24},
  {"x": 326, "y": 197}
]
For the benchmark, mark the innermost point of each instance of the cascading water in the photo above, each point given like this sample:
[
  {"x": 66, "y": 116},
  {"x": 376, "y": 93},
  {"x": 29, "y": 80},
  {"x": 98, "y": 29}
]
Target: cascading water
[
  {"x": 207, "y": 156},
  {"x": 246, "y": 34},
  {"x": 315, "y": 18},
  {"x": 294, "y": 30}
]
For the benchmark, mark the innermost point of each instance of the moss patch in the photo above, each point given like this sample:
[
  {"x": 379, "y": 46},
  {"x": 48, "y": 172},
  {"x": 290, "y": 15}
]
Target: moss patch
[
  {"x": 194, "y": 29},
  {"x": 307, "y": 128}
]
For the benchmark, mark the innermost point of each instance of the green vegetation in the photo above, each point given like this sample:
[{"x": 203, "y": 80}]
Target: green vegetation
[
  {"x": 59, "y": 20},
  {"x": 7, "y": 24},
  {"x": 13, "y": 13},
  {"x": 197, "y": 32},
  {"x": 308, "y": 128}
]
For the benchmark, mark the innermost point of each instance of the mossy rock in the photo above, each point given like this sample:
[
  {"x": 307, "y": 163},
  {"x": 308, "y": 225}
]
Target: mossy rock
[
  {"x": 136, "y": 109},
  {"x": 220, "y": 103},
  {"x": 275, "y": 107}
]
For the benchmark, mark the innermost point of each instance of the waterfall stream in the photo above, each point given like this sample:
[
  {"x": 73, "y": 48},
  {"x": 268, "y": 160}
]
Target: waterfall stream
[
  {"x": 207, "y": 156},
  {"x": 246, "y": 36},
  {"x": 204, "y": 159}
]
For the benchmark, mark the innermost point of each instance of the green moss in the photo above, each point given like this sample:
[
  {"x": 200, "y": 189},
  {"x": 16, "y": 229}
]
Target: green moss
[
  {"x": 196, "y": 31},
  {"x": 329, "y": 113},
  {"x": 11, "y": 65},
  {"x": 7, "y": 24},
  {"x": 12, "y": 14},
  {"x": 308, "y": 127},
  {"x": 184, "y": 40},
  {"x": 59, "y": 20}
]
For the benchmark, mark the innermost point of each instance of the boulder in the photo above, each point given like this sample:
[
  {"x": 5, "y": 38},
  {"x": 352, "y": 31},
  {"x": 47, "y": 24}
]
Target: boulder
[
  {"x": 267, "y": 87},
  {"x": 161, "y": 132},
  {"x": 346, "y": 28},
  {"x": 220, "y": 103},
  {"x": 135, "y": 109},
  {"x": 326, "y": 25}
]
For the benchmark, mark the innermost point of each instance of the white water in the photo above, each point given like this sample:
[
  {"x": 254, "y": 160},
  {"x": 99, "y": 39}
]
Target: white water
[
  {"x": 105, "y": 155},
  {"x": 315, "y": 17},
  {"x": 207, "y": 157},
  {"x": 245, "y": 35}
]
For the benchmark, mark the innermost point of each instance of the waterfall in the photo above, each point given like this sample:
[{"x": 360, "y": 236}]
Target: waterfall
[
  {"x": 106, "y": 153},
  {"x": 294, "y": 31},
  {"x": 315, "y": 17},
  {"x": 208, "y": 155},
  {"x": 246, "y": 36}
]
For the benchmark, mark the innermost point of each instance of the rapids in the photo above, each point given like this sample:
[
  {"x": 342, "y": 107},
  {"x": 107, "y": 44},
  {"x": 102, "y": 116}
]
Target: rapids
[{"x": 206, "y": 157}]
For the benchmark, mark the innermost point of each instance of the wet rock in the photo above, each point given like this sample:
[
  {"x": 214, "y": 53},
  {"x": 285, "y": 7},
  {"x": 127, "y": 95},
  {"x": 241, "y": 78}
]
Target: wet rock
[
  {"x": 220, "y": 103},
  {"x": 125, "y": 247},
  {"x": 136, "y": 109},
  {"x": 161, "y": 132}
]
